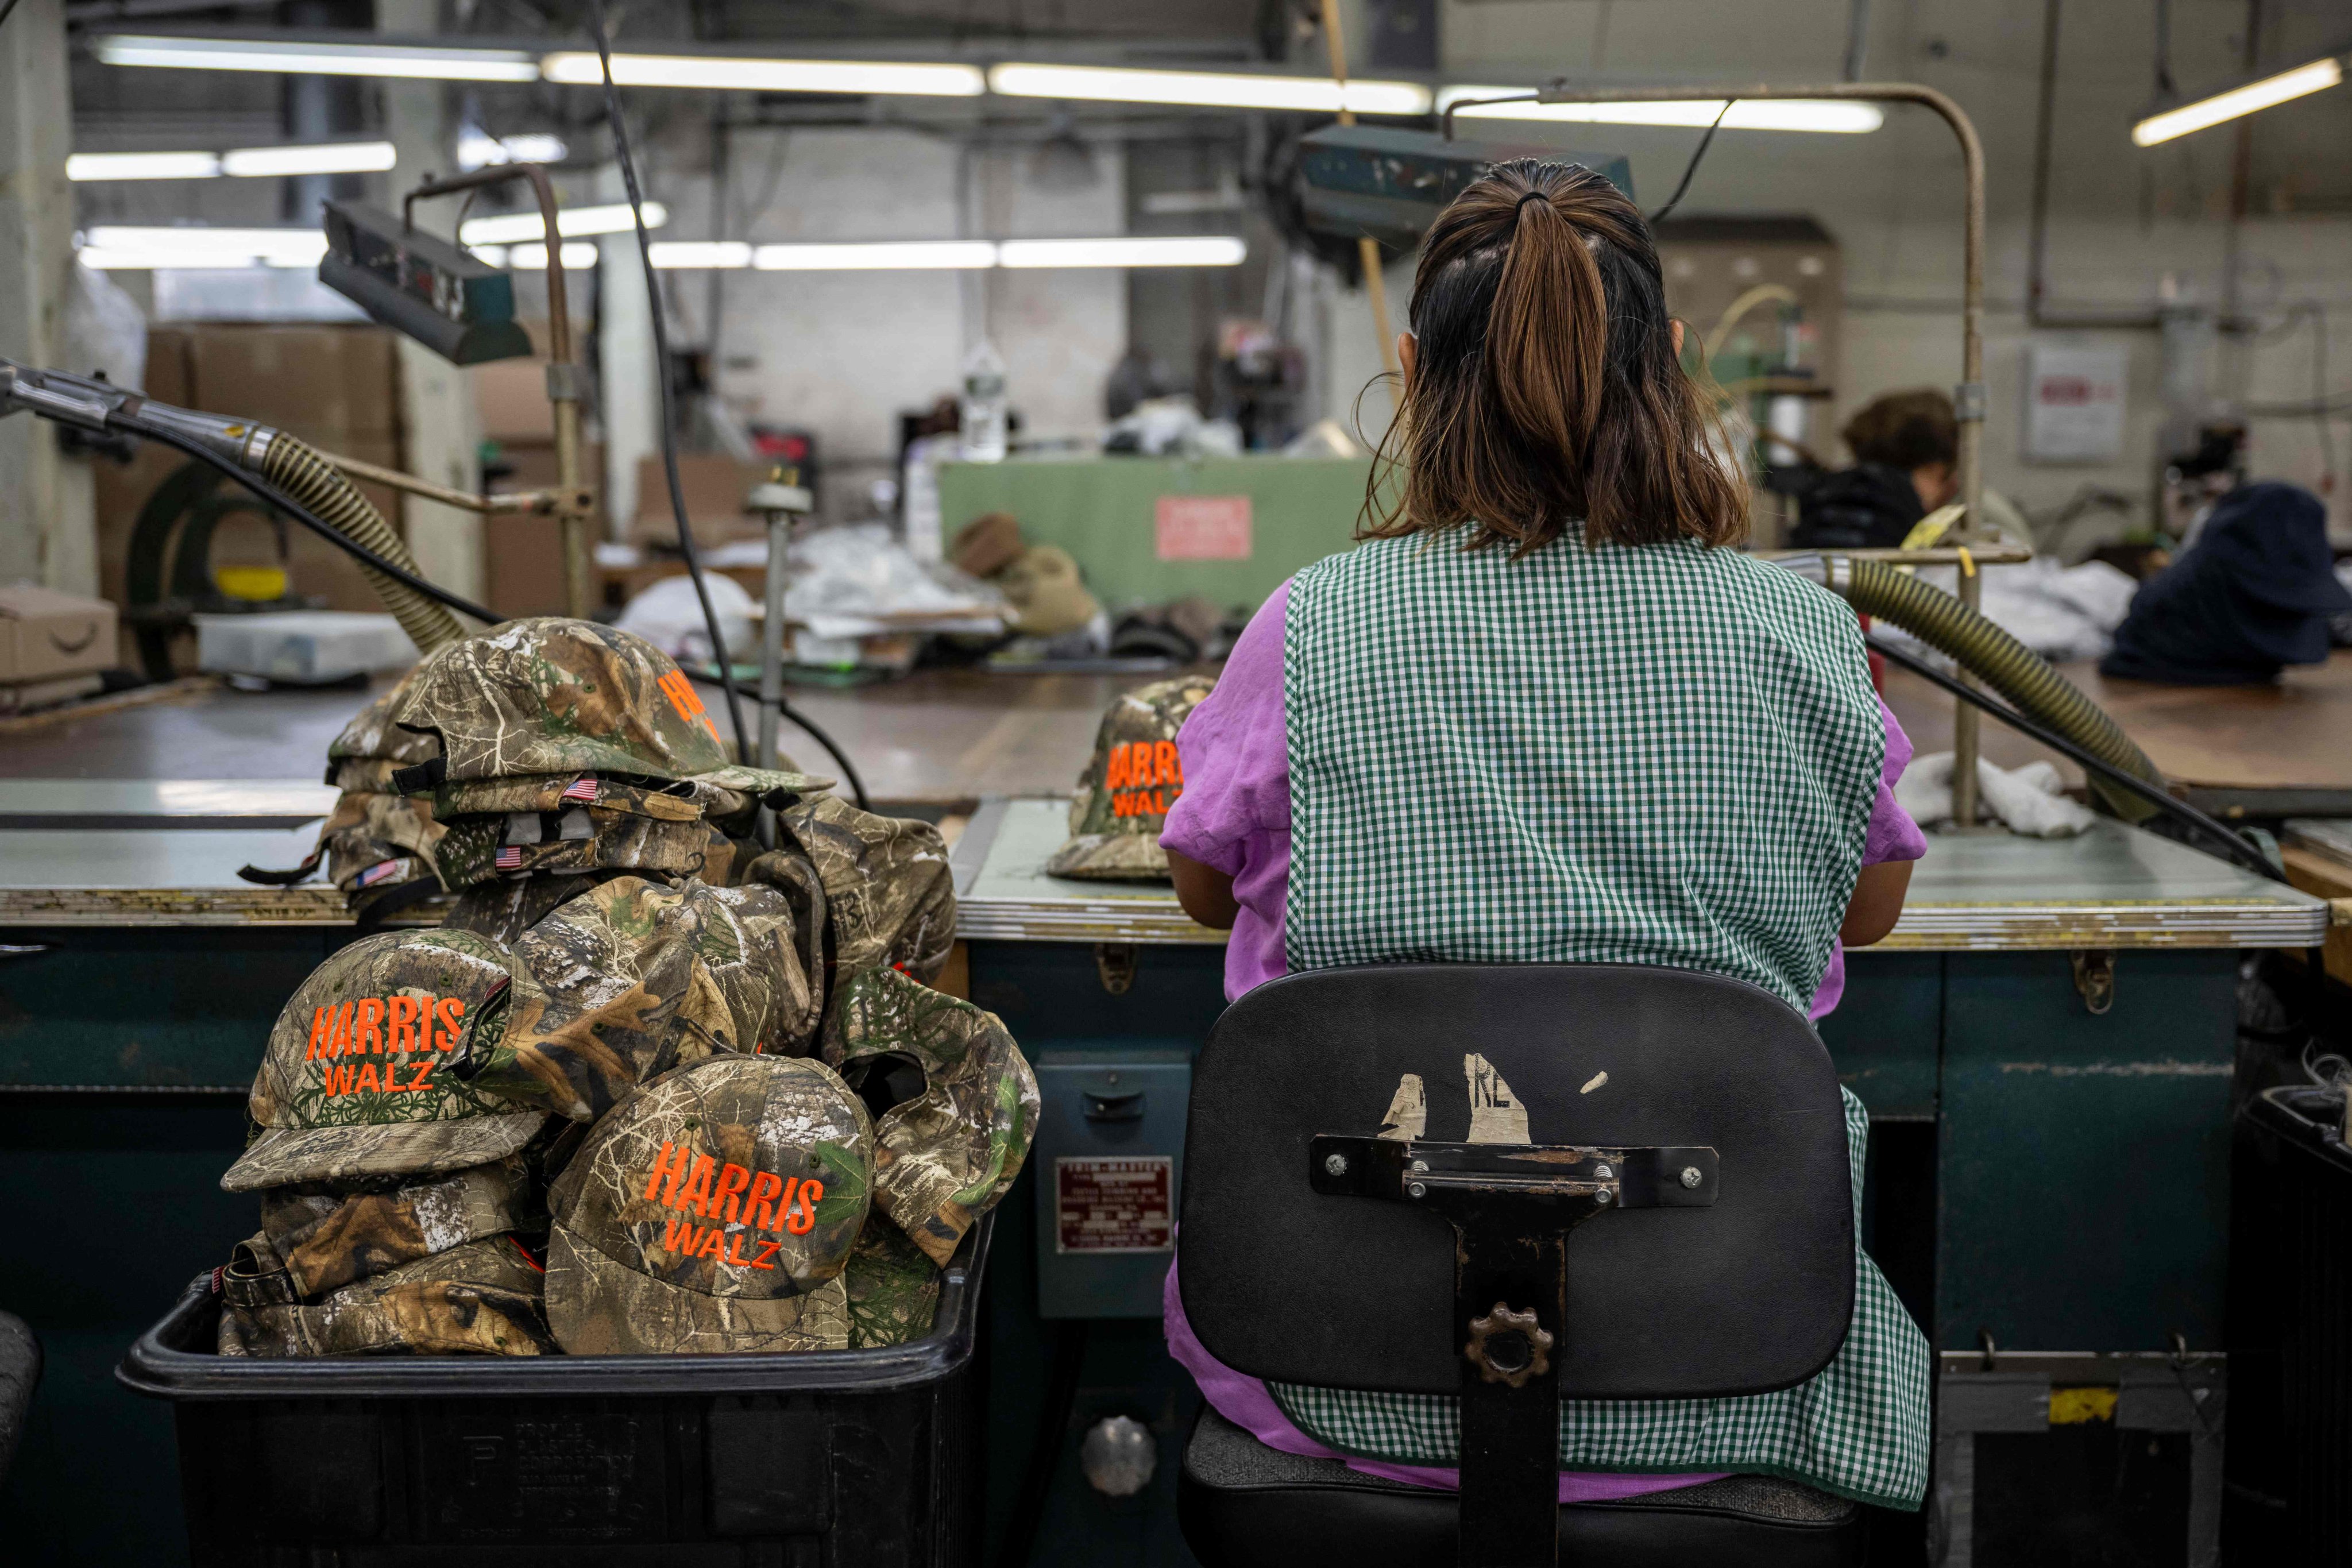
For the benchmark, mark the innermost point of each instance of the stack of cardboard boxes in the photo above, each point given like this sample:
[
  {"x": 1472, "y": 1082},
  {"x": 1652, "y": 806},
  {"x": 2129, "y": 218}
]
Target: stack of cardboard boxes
[{"x": 336, "y": 387}]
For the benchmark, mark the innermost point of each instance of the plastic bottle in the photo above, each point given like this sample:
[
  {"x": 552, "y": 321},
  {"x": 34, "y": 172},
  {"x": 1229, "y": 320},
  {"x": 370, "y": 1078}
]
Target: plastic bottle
[{"x": 985, "y": 408}]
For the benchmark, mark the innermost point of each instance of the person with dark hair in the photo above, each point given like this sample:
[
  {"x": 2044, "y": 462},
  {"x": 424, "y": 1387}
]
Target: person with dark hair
[
  {"x": 1544, "y": 712},
  {"x": 2254, "y": 594}
]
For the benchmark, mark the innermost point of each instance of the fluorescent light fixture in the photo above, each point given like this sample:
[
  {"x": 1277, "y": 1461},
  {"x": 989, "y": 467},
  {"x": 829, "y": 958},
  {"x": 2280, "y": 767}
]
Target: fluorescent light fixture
[
  {"x": 1207, "y": 90},
  {"x": 143, "y": 166},
  {"x": 327, "y": 158},
  {"x": 2303, "y": 81},
  {"x": 1830, "y": 114},
  {"x": 120, "y": 246},
  {"x": 740, "y": 74},
  {"x": 315, "y": 59},
  {"x": 907, "y": 255},
  {"x": 245, "y": 162},
  {"x": 1188, "y": 250},
  {"x": 571, "y": 223},
  {"x": 700, "y": 255},
  {"x": 477, "y": 150},
  {"x": 579, "y": 256}
]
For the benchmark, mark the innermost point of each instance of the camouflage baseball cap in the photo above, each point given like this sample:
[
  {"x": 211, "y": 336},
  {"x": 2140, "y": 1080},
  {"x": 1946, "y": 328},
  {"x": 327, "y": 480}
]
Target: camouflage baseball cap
[
  {"x": 893, "y": 1288},
  {"x": 951, "y": 1148},
  {"x": 889, "y": 896},
  {"x": 713, "y": 1210},
  {"x": 1123, "y": 797},
  {"x": 634, "y": 978},
  {"x": 482, "y": 1298},
  {"x": 352, "y": 1082},
  {"x": 549, "y": 695},
  {"x": 328, "y": 1235}
]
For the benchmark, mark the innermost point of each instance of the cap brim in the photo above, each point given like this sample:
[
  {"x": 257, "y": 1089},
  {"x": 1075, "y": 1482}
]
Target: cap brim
[
  {"x": 596, "y": 1306},
  {"x": 286, "y": 1154},
  {"x": 1111, "y": 857}
]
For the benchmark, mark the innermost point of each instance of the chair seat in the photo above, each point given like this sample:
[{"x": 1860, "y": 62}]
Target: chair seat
[{"x": 1245, "y": 1505}]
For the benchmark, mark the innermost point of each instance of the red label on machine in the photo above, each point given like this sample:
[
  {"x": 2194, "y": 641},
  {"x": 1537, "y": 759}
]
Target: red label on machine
[
  {"x": 1203, "y": 528},
  {"x": 1115, "y": 1205}
]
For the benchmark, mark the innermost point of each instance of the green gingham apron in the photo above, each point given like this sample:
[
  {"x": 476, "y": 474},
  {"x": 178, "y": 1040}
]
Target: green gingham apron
[{"x": 1659, "y": 755}]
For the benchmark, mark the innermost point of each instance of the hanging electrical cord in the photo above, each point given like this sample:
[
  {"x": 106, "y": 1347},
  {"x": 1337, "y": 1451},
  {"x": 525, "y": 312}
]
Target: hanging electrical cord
[
  {"x": 2235, "y": 846},
  {"x": 686, "y": 544},
  {"x": 1692, "y": 168}
]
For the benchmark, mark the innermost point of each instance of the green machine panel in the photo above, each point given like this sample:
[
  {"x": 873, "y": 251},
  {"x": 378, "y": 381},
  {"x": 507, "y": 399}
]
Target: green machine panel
[
  {"x": 1106, "y": 511},
  {"x": 2083, "y": 1166}
]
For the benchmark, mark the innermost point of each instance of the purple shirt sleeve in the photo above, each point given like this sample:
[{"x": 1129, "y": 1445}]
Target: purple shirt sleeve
[{"x": 1236, "y": 757}]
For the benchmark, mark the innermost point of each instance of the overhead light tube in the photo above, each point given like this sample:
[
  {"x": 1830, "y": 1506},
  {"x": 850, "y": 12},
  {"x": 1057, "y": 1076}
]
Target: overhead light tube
[
  {"x": 1822, "y": 115},
  {"x": 2235, "y": 103},
  {"x": 732, "y": 73},
  {"x": 303, "y": 58},
  {"x": 1208, "y": 90}
]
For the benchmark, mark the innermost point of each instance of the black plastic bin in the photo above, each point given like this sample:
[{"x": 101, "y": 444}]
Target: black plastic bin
[
  {"x": 833, "y": 1460},
  {"x": 2289, "y": 1464}
]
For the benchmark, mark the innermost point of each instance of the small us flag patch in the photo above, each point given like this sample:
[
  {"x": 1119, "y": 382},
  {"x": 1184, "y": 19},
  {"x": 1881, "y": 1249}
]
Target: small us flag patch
[
  {"x": 580, "y": 790},
  {"x": 510, "y": 858},
  {"x": 380, "y": 871}
]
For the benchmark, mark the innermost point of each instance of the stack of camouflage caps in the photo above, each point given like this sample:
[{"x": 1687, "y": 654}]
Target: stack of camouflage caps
[{"x": 698, "y": 1097}]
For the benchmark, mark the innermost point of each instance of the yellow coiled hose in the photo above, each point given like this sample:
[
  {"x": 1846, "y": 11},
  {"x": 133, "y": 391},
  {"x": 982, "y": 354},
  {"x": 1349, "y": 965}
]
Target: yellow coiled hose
[
  {"x": 1999, "y": 661},
  {"x": 318, "y": 485}
]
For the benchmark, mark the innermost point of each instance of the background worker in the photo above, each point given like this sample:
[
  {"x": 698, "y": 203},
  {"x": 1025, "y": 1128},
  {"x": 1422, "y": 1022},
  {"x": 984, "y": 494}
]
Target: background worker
[{"x": 1546, "y": 714}]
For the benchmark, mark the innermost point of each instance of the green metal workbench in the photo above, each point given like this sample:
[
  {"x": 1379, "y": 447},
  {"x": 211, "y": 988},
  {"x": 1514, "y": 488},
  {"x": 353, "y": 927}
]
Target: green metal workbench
[{"x": 2044, "y": 1176}]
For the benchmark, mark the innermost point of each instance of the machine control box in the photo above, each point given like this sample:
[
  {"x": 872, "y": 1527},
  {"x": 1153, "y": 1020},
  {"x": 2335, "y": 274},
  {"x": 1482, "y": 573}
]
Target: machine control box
[{"x": 1109, "y": 1159}]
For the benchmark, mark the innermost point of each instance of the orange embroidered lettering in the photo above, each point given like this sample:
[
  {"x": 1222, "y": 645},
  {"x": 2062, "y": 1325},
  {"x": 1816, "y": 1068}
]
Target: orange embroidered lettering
[
  {"x": 400, "y": 1023},
  {"x": 767, "y": 1250},
  {"x": 675, "y": 1168},
  {"x": 365, "y": 1036},
  {"x": 450, "y": 1010},
  {"x": 698, "y": 1187},
  {"x": 803, "y": 1218},
  {"x": 760, "y": 1205},
  {"x": 732, "y": 1179}
]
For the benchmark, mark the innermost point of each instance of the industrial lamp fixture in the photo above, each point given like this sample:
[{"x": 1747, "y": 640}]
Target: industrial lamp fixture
[{"x": 2245, "y": 98}]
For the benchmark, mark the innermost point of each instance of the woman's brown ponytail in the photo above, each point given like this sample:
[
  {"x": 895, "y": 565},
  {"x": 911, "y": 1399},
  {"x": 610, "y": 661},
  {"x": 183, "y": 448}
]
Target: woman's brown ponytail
[{"x": 1546, "y": 391}]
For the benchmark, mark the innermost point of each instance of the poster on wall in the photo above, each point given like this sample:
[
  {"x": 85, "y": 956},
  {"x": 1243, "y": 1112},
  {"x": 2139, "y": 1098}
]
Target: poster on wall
[{"x": 2074, "y": 403}]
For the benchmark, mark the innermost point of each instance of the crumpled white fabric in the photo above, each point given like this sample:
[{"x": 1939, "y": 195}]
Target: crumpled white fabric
[{"x": 2028, "y": 801}]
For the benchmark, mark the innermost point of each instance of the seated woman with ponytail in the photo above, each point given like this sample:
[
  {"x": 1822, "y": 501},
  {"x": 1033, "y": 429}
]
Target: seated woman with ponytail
[{"x": 1546, "y": 713}]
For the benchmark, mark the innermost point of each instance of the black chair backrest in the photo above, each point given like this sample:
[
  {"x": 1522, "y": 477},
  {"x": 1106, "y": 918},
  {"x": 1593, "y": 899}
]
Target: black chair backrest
[{"x": 1749, "y": 1294}]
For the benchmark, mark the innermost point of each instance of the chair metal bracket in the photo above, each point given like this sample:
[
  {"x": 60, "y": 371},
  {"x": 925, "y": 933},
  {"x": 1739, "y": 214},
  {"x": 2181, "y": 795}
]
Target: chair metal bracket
[{"x": 1511, "y": 1206}]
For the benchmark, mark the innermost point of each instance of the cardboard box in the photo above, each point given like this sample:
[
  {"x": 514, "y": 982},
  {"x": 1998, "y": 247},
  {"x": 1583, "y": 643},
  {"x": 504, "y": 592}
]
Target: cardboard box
[
  {"x": 715, "y": 486},
  {"x": 315, "y": 381},
  {"x": 45, "y": 636},
  {"x": 523, "y": 565}
]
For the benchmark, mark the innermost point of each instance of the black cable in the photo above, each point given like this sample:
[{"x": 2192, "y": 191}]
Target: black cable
[
  {"x": 686, "y": 545},
  {"x": 2241, "y": 851},
  {"x": 305, "y": 516},
  {"x": 1692, "y": 168}
]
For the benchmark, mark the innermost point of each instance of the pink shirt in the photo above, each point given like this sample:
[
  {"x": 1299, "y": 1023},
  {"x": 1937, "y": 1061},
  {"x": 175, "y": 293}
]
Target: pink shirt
[{"x": 1234, "y": 816}]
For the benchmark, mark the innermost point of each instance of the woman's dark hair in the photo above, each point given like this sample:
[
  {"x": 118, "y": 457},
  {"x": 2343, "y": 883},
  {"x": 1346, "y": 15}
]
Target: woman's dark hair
[
  {"x": 1546, "y": 390},
  {"x": 1906, "y": 430}
]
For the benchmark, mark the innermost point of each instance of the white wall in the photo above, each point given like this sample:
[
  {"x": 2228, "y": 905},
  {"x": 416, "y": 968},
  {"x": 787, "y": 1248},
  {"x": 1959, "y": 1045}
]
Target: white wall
[{"x": 843, "y": 352}]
